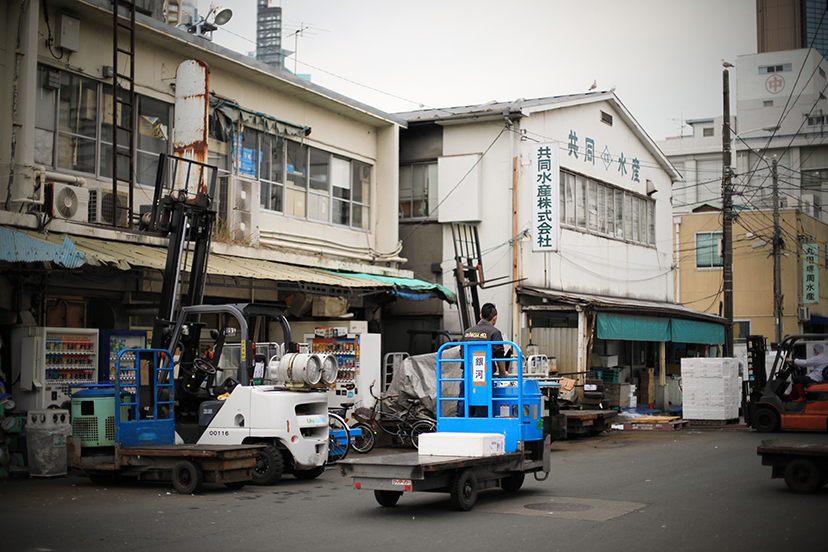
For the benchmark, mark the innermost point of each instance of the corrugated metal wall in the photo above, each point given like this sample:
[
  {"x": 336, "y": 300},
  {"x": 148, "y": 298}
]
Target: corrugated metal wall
[{"x": 561, "y": 343}]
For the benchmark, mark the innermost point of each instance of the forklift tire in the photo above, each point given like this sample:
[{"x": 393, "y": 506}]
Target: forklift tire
[
  {"x": 464, "y": 490},
  {"x": 187, "y": 477},
  {"x": 270, "y": 465},
  {"x": 386, "y": 499},
  {"x": 513, "y": 482},
  {"x": 802, "y": 476},
  {"x": 312, "y": 473},
  {"x": 765, "y": 420},
  {"x": 235, "y": 485}
]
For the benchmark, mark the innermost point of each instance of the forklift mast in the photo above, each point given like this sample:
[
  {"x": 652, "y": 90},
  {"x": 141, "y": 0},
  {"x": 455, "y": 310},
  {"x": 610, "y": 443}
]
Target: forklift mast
[{"x": 186, "y": 216}]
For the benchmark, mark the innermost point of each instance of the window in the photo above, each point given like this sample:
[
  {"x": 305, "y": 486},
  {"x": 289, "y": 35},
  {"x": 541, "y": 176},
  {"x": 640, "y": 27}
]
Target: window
[
  {"x": 601, "y": 209},
  {"x": 73, "y": 127},
  {"x": 775, "y": 68},
  {"x": 817, "y": 120},
  {"x": 767, "y": 103},
  {"x": 709, "y": 250},
  {"x": 707, "y": 132},
  {"x": 416, "y": 180},
  {"x": 606, "y": 118},
  {"x": 741, "y": 329},
  {"x": 306, "y": 182}
]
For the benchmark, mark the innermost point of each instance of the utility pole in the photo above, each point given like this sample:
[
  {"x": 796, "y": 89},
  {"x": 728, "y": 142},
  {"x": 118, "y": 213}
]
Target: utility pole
[
  {"x": 777, "y": 249},
  {"x": 727, "y": 220}
]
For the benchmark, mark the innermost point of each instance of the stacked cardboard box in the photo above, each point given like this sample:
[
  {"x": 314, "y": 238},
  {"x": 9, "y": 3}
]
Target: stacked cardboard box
[
  {"x": 618, "y": 394},
  {"x": 712, "y": 388},
  {"x": 646, "y": 389}
]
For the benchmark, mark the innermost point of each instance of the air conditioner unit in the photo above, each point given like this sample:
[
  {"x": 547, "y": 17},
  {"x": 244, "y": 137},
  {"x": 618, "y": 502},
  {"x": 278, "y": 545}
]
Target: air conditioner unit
[
  {"x": 804, "y": 314},
  {"x": 238, "y": 208},
  {"x": 102, "y": 207},
  {"x": 67, "y": 202}
]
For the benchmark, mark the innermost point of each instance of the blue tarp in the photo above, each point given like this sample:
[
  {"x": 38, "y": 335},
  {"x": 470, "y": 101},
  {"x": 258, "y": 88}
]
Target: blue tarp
[
  {"x": 17, "y": 247},
  {"x": 410, "y": 288}
]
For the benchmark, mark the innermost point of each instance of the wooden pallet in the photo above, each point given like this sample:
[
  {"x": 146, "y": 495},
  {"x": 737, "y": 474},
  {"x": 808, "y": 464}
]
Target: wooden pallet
[
  {"x": 713, "y": 423},
  {"x": 658, "y": 423}
]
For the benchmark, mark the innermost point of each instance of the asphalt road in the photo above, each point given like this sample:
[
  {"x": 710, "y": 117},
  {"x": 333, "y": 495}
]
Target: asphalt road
[{"x": 622, "y": 491}]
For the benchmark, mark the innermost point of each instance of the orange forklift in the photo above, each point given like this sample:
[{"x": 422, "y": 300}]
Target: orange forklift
[{"x": 765, "y": 401}]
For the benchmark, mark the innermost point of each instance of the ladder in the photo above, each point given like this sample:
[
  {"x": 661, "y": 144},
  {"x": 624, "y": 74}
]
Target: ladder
[{"x": 124, "y": 112}]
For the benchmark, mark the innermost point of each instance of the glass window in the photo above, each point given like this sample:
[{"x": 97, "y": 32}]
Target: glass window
[
  {"x": 271, "y": 171},
  {"x": 592, "y": 205},
  {"x": 415, "y": 182},
  {"x": 77, "y": 123},
  {"x": 580, "y": 201},
  {"x": 152, "y": 137},
  {"x": 709, "y": 250}
]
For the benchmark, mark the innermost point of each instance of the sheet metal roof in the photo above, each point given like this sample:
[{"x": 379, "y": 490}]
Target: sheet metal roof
[{"x": 77, "y": 251}]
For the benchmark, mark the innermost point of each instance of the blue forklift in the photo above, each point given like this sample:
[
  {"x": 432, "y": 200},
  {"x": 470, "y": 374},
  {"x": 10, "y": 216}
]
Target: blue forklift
[{"x": 470, "y": 402}]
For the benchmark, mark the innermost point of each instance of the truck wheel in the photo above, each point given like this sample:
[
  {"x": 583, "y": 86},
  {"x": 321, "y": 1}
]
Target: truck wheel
[
  {"x": 312, "y": 473},
  {"x": 187, "y": 477},
  {"x": 513, "y": 482},
  {"x": 362, "y": 438},
  {"x": 270, "y": 465},
  {"x": 387, "y": 499},
  {"x": 765, "y": 421},
  {"x": 464, "y": 490},
  {"x": 802, "y": 476}
]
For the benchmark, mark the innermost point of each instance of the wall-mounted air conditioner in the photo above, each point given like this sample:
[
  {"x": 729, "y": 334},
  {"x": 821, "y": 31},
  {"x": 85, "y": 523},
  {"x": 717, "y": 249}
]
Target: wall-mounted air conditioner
[
  {"x": 67, "y": 202},
  {"x": 102, "y": 207},
  {"x": 804, "y": 314},
  {"x": 238, "y": 208}
]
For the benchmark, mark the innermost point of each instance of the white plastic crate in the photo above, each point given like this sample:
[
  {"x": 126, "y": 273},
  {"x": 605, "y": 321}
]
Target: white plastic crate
[{"x": 461, "y": 444}]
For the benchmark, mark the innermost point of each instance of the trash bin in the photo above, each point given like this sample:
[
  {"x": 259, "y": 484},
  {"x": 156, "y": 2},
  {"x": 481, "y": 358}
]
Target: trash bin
[{"x": 46, "y": 433}]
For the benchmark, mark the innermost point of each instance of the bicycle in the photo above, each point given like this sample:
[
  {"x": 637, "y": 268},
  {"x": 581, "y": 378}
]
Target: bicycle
[
  {"x": 407, "y": 429},
  {"x": 362, "y": 435},
  {"x": 339, "y": 438}
]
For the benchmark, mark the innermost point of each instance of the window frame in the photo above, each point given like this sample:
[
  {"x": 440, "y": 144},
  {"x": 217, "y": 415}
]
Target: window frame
[{"x": 698, "y": 249}]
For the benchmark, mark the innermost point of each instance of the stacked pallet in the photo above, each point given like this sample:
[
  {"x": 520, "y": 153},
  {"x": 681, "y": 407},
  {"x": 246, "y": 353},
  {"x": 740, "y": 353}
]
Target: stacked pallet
[{"x": 711, "y": 388}]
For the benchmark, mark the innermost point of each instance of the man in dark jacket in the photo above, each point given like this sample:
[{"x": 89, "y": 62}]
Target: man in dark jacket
[{"x": 485, "y": 330}]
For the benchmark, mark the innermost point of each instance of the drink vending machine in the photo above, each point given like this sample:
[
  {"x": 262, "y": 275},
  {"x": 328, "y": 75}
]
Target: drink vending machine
[
  {"x": 358, "y": 357},
  {"x": 46, "y": 362},
  {"x": 113, "y": 342}
]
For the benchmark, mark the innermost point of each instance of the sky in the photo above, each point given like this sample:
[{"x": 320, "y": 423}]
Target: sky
[{"x": 662, "y": 56}]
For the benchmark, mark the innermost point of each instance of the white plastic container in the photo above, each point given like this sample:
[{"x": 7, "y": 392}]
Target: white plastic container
[{"x": 461, "y": 444}]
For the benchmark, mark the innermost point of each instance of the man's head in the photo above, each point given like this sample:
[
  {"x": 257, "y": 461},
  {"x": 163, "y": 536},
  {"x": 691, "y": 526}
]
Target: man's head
[
  {"x": 818, "y": 349},
  {"x": 488, "y": 312}
]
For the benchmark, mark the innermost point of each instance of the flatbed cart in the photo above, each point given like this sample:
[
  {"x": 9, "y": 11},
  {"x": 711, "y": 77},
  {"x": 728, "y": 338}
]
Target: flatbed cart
[
  {"x": 127, "y": 431},
  {"x": 514, "y": 434},
  {"x": 804, "y": 466}
]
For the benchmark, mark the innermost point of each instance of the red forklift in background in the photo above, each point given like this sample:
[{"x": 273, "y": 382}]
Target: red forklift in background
[{"x": 764, "y": 402}]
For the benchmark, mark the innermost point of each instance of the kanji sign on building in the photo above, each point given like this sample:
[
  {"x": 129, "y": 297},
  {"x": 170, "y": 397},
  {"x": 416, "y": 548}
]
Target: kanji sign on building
[
  {"x": 810, "y": 273},
  {"x": 545, "y": 197}
]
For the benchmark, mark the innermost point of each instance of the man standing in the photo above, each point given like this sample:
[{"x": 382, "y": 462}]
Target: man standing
[
  {"x": 818, "y": 362},
  {"x": 485, "y": 330}
]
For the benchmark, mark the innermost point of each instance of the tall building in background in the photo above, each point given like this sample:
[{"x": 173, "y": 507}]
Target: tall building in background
[
  {"x": 269, "y": 34},
  {"x": 791, "y": 25}
]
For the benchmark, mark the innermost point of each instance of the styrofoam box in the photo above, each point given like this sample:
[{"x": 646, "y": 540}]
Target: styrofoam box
[
  {"x": 461, "y": 444},
  {"x": 609, "y": 361}
]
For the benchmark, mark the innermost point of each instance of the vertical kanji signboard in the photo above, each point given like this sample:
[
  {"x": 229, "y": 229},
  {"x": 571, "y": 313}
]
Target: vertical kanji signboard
[
  {"x": 810, "y": 273},
  {"x": 545, "y": 198}
]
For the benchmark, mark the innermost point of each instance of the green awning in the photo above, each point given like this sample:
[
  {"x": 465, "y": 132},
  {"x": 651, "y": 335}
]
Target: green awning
[
  {"x": 694, "y": 331},
  {"x": 644, "y": 328},
  {"x": 632, "y": 328}
]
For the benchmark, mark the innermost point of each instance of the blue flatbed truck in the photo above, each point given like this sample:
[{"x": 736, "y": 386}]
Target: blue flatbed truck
[{"x": 516, "y": 408}]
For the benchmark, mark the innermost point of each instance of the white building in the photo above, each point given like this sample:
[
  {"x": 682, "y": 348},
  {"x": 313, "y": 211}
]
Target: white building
[{"x": 588, "y": 268}]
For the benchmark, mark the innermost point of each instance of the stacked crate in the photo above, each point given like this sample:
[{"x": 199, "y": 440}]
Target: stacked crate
[
  {"x": 646, "y": 390},
  {"x": 711, "y": 388}
]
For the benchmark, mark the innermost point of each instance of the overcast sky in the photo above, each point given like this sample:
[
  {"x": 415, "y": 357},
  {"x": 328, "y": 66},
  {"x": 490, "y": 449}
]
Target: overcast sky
[{"x": 663, "y": 56}]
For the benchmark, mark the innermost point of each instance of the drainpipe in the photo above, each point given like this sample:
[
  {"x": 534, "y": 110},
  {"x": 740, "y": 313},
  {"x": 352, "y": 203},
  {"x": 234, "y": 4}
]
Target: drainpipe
[{"x": 15, "y": 88}]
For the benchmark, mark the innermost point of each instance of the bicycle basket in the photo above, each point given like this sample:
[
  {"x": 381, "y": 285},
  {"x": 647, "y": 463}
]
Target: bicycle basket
[{"x": 364, "y": 415}]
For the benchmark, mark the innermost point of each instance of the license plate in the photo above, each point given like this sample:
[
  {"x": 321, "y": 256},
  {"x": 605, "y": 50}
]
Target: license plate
[{"x": 401, "y": 482}]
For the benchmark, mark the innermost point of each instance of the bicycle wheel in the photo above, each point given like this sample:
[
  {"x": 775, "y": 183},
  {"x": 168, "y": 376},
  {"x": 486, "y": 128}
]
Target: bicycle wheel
[
  {"x": 419, "y": 427},
  {"x": 338, "y": 438},
  {"x": 362, "y": 438}
]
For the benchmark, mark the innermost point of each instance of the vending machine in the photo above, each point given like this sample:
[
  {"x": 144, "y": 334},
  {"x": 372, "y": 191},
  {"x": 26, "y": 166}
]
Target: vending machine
[
  {"x": 358, "y": 356},
  {"x": 112, "y": 343},
  {"x": 47, "y": 362}
]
